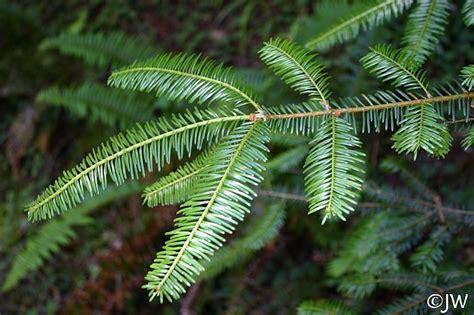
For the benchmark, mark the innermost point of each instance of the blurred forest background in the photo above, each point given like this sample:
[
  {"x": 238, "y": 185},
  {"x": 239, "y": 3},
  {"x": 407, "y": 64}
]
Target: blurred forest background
[{"x": 412, "y": 231}]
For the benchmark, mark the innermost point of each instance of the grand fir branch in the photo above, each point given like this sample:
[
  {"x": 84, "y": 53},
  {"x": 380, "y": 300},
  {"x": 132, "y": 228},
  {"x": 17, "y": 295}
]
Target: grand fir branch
[
  {"x": 133, "y": 147},
  {"x": 191, "y": 75},
  {"x": 303, "y": 69},
  {"x": 258, "y": 116},
  {"x": 203, "y": 215},
  {"x": 443, "y": 290},
  {"x": 353, "y": 20},
  {"x": 361, "y": 109}
]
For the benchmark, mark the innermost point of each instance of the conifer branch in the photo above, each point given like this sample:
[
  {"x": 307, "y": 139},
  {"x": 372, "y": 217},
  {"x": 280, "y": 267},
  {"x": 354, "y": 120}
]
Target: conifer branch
[
  {"x": 121, "y": 150},
  {"x": 217, "y": 188},
  {"x": 339, "y": 111},
  {"x": 178, "y": 185},
  {"x": 364, "y": 16},
  {"x": 297, "y": 67},
  {"x": 208, "y": 215},
  {"x": 443, "y": 290},
  {"x": 184, "y": 77},
  {"x": 425, "y": 25},
  {"x": 468, "y": 11}
]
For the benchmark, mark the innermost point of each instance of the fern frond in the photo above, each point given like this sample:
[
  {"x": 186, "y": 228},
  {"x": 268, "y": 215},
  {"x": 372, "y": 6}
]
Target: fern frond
[
  {"x": 58, "y": 232},
  {"x": 393, "y": 65},
  {"x": 468, "y": 140},
  {"x": 130, "y": 154},
  {"x": 219, "y": 201},
  {"x": 333, "y": 169},
  {"x": 185, "y": 77},
  {"x": 363, "y": 16},
  {"x": 468, "y": 12},
  {"x": 101, "y": 49},
  {"x": 424, "y": 28},
  {"x": 259, "y": 233},
  {"x": 323, "y": 307},
  {"x": 298, "y": 67},
  {"x": 422, "y": 128},
  {"x": 467, "y": 74},
  {"x": 98, "y": 103},
  {"x": 177, "y": 186}
]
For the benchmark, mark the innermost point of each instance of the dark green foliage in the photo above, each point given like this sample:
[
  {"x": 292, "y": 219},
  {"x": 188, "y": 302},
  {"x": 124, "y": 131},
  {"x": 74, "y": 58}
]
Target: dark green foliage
[
  {"x": 418, "y": 300},
  {"x": 325, "y": 13},
  {"x": 57, "y": 233},
  {"x": 363, "y": 15},
  {"x": 403, "y": 249},
  {"x": 17, "y": 21},
  {"x": 394, "y": 165},
  {"x": 468, "y": 11},
  {"x": 322, "y": 307},
  {"x": 424, "y": 28},
  {"x": 257, "y": 234},
  {"x": 287, "y": 159},
  {"x": 428, "y": 255},
  {"x": 468, "y": 140},
  {"x": 101, "y": 49},
  {"x": 405, "y": 240},
  {"x": 98, "y": 103}
]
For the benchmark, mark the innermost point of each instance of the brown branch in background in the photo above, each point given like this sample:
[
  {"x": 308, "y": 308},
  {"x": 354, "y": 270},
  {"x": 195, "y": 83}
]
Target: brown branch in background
[
  {"x": 458, "y": 121},
  {"x": 188, "y": 300},
  {"x": 281, "y": 195},
  {"x": 19, "y": 136},
  {"x": 251, "y": 271},
  {"x": 438, "y": 206}
]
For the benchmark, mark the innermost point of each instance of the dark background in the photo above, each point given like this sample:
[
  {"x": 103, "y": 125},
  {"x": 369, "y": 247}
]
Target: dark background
[{"x": 101, "y": 270}]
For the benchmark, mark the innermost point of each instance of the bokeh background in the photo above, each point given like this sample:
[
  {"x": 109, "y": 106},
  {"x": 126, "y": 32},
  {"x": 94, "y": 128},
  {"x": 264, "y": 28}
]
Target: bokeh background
[{"x": 98, "y": 263}]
